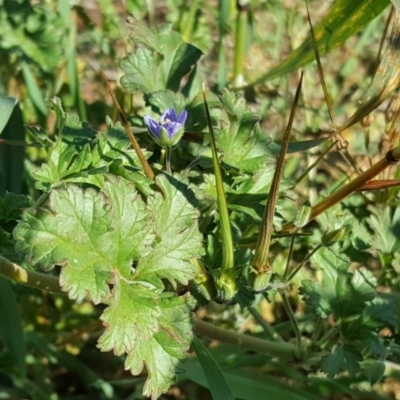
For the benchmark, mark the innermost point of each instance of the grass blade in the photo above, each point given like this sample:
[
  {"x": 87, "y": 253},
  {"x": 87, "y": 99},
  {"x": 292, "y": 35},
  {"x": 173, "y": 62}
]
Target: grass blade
[
  {"x": 328, "y": 100},
  {"x": 219, "y": 388},
  {"x": 344, "y": 19},
  {"x": 34, "y": 93},
  {"x": 11, "y": 332},
  {"x": 11, "y": 156},
  {"x": 260, "y": 261}
]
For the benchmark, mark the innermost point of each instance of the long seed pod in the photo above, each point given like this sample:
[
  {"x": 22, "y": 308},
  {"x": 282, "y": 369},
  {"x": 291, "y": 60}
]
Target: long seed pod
[
  {"x": 227, "y": 279},
  {"x": 260, "y": 261}
]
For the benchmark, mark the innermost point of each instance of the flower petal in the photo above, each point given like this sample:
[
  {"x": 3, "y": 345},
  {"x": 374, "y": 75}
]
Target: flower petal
[
  {"x": 181, "y": 118},
  {"x": 152, "y": 125},
  {"x": 169, "y": 115},
  {"x": 172, "y": 128}
]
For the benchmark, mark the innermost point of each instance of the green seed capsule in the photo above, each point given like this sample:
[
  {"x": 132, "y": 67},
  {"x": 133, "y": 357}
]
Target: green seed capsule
[
  {"x": 260, "y": 283},
  {"x": 333, "y": 237},
  {"x": 303, "y": 215},
  {"x": 227, "y": 285}
]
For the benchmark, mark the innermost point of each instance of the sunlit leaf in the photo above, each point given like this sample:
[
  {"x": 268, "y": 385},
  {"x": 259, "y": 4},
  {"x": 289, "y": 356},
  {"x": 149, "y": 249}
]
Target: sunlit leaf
[
  {"x": 90, "y": 234},
  {"x": 240, "y": 139},
  {"x": 155, "y": 332},
  {"x": 161, "y": 64},
  {"x": 178, "y": 237}
]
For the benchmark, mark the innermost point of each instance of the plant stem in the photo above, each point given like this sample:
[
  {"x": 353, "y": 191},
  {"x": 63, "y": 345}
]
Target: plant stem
[
  {"x": 269, "y": 330},
  {"x": 289, "y": 256},
  {"x": 292, "y": 318},
  {"x": 317, "y": 330},
  {"x": 168, "y": 160},
  {"x": 33, "y": 279},
  {"x": 328, "y": 335},
  {"x": 282, "y": 350},
  {"x": 240, "y": 40},
  {"x": 391, "y": 157},
  {"x": 306, "y": 258},
  {"x": 145, "y": 165},
  {"x": 226, "y": 282},
  {"x": 260, "y": 261},
  {"x": 41, "y": 200},
  {"x": 226, "y": 239}
]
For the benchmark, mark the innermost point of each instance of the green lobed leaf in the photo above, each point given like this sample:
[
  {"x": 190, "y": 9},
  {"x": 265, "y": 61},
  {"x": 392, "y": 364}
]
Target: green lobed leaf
[
  {"x": 132, "y": 316},
  {"x": 91, "y": 234},
  {"x": 161, "y": 64},
  {"x": 343, "y": 356},
  {"x": 385, "y": 225},
  {"x": 177, "y": 235},
  {"x": 12, "y": 205},
  {"x": 241, "y": 141},
  {"x": 169, "y": 345},
  {"x": 80, "y": 155},
  {"x": 34, "y": 32},
  {"x": 340, "y": 292},
  {"x": 69, "y": 156},
  {"x": 153, "y": 330},
  {"x": 142, "y": 71},
  {"x": 381, "y": 313},
  {"x": 163, "y": 99}
]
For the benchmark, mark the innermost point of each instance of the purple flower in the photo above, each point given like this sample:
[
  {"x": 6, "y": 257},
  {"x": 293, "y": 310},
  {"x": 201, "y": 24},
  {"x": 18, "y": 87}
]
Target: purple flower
[{"x": 169, "y": 130}]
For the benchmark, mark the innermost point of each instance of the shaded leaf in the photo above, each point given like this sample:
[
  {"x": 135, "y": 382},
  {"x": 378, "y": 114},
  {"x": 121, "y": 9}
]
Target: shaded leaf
[
  {"x": 376, "y": 372},
  {"x": 12, "y": 205},
  {"x": 340, "y": 292},
  {"x": 344, "y": 356},
  {"x": 161, "y": 100}
]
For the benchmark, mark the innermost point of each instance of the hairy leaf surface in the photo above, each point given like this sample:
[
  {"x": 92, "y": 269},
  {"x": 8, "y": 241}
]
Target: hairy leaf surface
[
  {"x": 177, "y": 236},
  {"x": 90, "y": 233}
]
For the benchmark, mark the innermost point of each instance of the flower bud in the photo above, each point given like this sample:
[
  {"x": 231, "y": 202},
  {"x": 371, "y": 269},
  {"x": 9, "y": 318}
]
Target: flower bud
[{"x": 169, "y": 130}]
